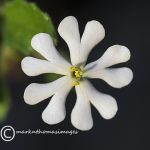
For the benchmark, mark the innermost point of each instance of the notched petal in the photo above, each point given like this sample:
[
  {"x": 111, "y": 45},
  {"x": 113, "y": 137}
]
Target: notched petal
[
  {"x": 105, "y": 104},
  {"x": 69, "y": 31},
  {"x": 33, "y": 67},
  {"x": 43, "y": 44},
  {"x": 115, "y": 77},
  {"x": 94, "y": 32},
  {"x": 35, "y": 92},
  {"x": 114, "y": 55},
  {"x": 55, "y": 112},
  {"x": 81, "y": 116}
]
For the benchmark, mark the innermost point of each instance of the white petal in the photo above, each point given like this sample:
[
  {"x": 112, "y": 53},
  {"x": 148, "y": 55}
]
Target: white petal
[
  {"x": 43, "y": 44},
  {"x": 33, "y": 67},
  {"x": 94, "y": 32},
  {"x": 35, "y": 93},
  {"x": 116, "y": 77},
  {"x": 55, "y": 111},
  {"x": 105, "y": 104},
  {"x": 81, "y": 115},
  {"x": 114, "y": 55},
  {"x": 69, "y": 31}
]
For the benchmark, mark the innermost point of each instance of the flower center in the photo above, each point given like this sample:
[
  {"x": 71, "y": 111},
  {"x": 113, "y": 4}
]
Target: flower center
[{"x": 76, "y": 75}]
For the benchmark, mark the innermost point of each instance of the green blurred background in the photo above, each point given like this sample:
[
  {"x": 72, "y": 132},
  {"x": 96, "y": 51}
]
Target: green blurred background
[{"x": 19, "y": 21}]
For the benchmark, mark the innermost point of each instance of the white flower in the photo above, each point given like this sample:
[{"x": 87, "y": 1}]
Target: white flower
[{"x": 75, "y": 74}]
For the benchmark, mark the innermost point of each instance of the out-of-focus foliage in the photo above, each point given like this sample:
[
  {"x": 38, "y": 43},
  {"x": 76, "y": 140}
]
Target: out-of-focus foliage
[
  {"x": 52, "y": 77},
  {"x": 19, "y": 21},
  {"x": 22, "y": 20},
  {"x": 4, "y": 100}
]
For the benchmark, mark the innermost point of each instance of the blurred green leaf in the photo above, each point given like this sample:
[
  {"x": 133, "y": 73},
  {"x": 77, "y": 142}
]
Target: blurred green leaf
[
  {"x": 51, "y": 77},
  {"x": 0, "y": 29},
  {"x": 4, "y": 100},
  {"x": 22, "y": 20}
]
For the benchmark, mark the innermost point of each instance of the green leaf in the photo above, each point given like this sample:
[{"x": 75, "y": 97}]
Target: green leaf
[
  {"x": 51, "y": 77},
  {"x": 22, "y": 20},
  {"x": 4, "y": 101}
]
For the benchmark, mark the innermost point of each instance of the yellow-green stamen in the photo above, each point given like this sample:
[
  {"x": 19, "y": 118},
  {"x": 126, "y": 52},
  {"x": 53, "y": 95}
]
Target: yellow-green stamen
[
  {"x": 75, "y": 83},
  {"x": 76, "y": 74}
]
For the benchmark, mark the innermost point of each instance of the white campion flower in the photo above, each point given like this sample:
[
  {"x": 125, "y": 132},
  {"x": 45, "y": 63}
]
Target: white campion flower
[{"x": 76, "y": 74}]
